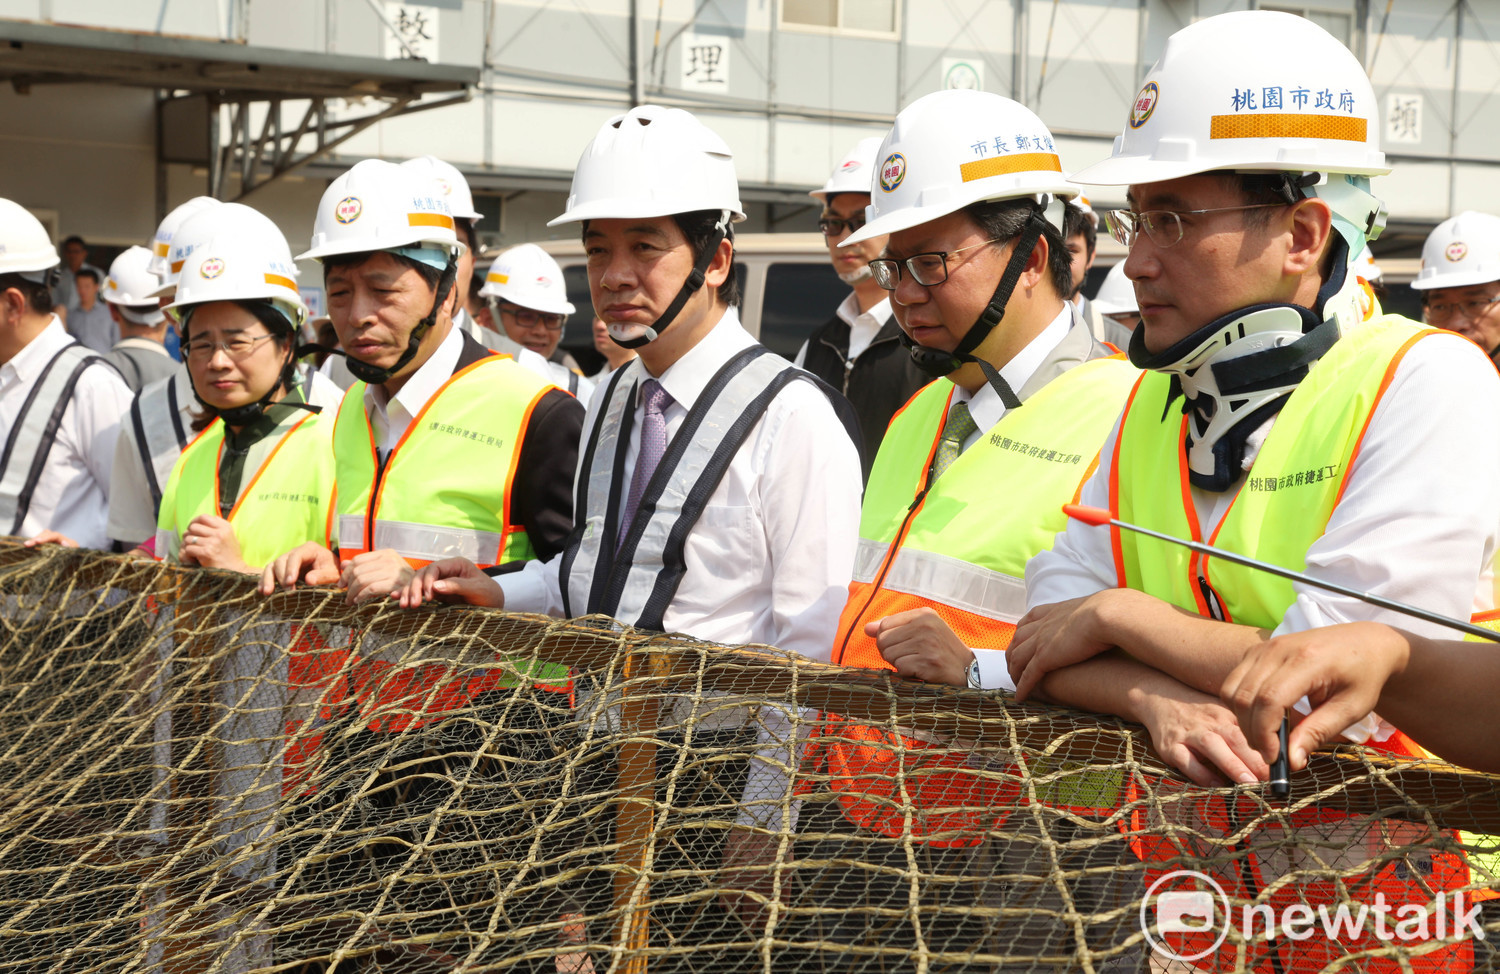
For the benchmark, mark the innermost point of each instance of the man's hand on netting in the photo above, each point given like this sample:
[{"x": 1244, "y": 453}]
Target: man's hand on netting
[
  {"x": 309, "y": 563},
  {"x": 454, "y": 580},
  {"x": 209, "y": 542},
  {"x": 50, "y": 537},
  {"x": 375, "y": 575},
  {"x": 1050, "y": 637},
  {"x": 1199, "y": 736},
  {"x": 1341, "y": 670},
  {"x": 919, "y": 644}
]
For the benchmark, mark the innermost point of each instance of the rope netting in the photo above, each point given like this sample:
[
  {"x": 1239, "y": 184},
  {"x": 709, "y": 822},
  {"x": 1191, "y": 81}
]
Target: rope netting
[{"x": 197, "y": 778}]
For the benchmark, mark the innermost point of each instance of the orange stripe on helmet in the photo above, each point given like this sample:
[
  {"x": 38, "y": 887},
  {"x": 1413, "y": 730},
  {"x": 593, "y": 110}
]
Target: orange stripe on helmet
[
  {"x": 1002, "y": 165},
  {"x": 1287, "y": 126},
  {"x": 429, "y": 220}
]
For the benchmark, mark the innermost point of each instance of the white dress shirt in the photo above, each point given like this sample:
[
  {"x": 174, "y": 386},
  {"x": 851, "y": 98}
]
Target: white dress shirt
[
  {"x": 771, "y": 557},
  {"x": 391, "y": 415},
  {"x": 72, "y": 497},
  {"x": 769, "y": 560},
  {"x": 863, "y": 326},
  {"x": 986, "y": 409},
  {"x": 1418, "y": 520}
]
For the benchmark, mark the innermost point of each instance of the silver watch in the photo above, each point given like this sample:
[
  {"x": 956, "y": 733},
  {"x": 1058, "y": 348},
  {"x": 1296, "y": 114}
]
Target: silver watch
[{"x": 974, "y": 683}]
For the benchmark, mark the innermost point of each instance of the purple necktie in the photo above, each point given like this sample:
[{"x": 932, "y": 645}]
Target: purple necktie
[{"x": 653, "y": 445}]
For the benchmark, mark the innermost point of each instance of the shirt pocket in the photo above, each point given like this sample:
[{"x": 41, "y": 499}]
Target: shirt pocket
[{"x": 728, "y": 542}]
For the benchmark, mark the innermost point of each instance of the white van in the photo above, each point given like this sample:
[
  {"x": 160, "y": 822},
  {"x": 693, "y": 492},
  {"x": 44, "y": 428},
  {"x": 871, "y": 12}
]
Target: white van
[{"x": 787, "y": 285}]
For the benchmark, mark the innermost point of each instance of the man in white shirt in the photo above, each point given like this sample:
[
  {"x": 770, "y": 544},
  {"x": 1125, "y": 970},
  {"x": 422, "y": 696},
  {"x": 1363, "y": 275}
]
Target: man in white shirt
[
  {"x": 1275, "y": 421},
  {"x": 60, "y": 405},
  {"x": 769, "y": 559},
  {"x": 140, "y": 354},
  {"x": 859, "y": 351},
  {"x": 89, "y": 321}
]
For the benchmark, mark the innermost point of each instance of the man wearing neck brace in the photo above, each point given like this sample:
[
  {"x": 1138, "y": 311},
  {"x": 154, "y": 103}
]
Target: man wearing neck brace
[{"x": 1280, "y": 416}]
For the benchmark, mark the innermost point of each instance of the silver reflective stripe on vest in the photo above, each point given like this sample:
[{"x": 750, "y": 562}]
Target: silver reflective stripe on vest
[
  {"x": 957, "y": 583},
  {"x": 428, "y": 542},
  {"x": 718, "y": 417},
  {"x": 867, "y": 559},
  {"x": 351, "y": 532},
  {"x": 161, "y": 433},
  {"x": 24, "y": 455},
  {"x": 431, "y": 542}
]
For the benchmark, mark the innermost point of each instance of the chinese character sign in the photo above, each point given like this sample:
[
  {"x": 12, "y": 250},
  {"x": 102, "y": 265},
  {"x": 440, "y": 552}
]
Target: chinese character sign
[
  {"x": 1403, "y": 118},
  {"x": 411, "y": 31},
  {"x": 705, "y": 62}
]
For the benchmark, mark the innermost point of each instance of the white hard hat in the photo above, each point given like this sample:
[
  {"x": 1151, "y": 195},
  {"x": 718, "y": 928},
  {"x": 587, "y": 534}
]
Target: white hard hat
[
  {"x": 25, "y": 248},
  {"x": 131, "y": 285},
  {"x": 161, "y": 245},
  {"x": 1116, "y": 294},
  {"x": 1365, "y": 266},
  {"x": 855, "y": 173},
  {"x": 652, "y": 161},
  {"x": 235, "y": 253},
  {"x": 527, "y": 276},
  {"x": 378, "y": 205},
  {"x": 1249, "y": 90},
  {"x": 1461, "y": 251},
  {"x": 452, "y": 183},
  {"x": 956, "y": 147}
]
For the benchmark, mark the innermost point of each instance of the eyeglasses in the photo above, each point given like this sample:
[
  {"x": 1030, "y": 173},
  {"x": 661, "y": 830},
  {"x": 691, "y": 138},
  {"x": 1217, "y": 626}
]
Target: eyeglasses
[
  {"x": 527, "y": 318},
  {"x": 236, "y": 348},
  {"x": 926, "y": 269},
  {"x": 1164, "y": 227},
  {"x": 833, "y": 226},
  {"x": 1472, "y": 309}
]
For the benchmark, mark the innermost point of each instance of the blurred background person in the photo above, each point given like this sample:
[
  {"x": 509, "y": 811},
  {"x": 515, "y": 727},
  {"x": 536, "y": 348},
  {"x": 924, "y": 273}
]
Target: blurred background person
[
  {"x": 90, "y": 320},
  {"x": 859, "y": 351},
  {"x": 75, "y": 257},
  {"x": 140, "y": 354}
]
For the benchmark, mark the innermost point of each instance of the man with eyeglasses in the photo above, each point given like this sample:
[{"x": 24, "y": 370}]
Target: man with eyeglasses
[
  {"x": 528, "y": 300},
  {"x": 859, "y": 350},
  {"x": 970, "y": 479},
  {"x": 1274, "y": 420},
  {"x": 1460, "y": 279}
]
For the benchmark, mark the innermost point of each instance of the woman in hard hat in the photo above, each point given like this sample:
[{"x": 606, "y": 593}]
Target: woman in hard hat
[
  {"x": 258, "y": 479},
  {"x": 528, "y": 301}
]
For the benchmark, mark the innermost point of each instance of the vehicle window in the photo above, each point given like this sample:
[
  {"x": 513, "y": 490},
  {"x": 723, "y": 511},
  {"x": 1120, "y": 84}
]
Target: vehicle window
[{"x": 800, "y": 297}]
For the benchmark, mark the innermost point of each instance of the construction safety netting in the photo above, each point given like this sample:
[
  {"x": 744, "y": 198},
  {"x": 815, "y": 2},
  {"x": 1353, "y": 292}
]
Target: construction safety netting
[{"x": 197, "y": 778}]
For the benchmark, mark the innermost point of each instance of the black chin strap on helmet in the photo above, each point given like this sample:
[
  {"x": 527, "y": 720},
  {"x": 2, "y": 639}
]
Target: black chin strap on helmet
[
  {"x": 277, "y": 325},
  {"x": 374, "y": 374},
  {"x": 689, "y": 288},
  {"x": 937, "y": 363}
]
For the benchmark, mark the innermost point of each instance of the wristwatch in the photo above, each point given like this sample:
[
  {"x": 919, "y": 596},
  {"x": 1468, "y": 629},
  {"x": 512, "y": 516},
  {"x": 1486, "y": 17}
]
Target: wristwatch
[{"x": 974, "y": 683}]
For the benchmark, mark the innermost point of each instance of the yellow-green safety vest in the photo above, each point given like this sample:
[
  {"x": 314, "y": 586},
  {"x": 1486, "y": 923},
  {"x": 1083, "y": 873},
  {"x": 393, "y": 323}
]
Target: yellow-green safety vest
[{"x": 285, "y": 497}]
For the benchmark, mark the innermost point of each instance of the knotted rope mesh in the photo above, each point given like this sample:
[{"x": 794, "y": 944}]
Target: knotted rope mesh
[{"x": 196, "y": 778}]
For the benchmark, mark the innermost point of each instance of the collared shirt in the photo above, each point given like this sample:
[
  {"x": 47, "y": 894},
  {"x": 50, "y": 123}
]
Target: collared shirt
[
  {"x": 94, "y": 327},
  {"x": 391, "y": 415},
  {"x": 863, "y": 326},
  {"x": 65, "y": 292},
  {"x": 72, "y": 497},
  {"x": 771, "y": 557},
  {"x": 984, "y": 404},
  {"x": 1417, "y": 522}
]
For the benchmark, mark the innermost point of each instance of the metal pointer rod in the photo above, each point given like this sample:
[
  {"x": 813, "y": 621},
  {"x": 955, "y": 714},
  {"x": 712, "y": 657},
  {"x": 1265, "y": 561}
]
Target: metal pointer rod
[{"x": 1280, "y": 771}]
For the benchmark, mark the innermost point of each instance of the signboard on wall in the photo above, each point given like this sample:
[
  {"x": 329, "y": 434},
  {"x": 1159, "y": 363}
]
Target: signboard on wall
[
  {"x": 705, "y": 62},
  {"x": 1403, "y": 118},
  {"x": 411, "y": 30}
]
